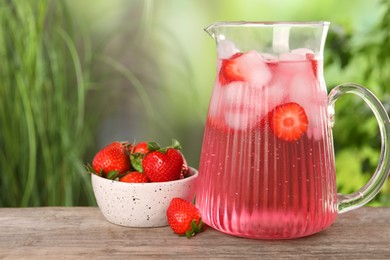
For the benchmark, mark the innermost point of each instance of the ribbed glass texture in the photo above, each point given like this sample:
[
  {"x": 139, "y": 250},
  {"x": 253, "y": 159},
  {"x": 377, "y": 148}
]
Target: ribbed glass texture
[
  {"x": 267, "y": 164},
  {"x": 252, "y": 182}
]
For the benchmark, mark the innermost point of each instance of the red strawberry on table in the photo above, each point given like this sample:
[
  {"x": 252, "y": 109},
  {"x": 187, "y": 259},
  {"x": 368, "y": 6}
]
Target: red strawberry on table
[
  {"x": 288, "y": 121},
  {"x": 134, "y": 177},
  {"x": 112, "y": 160},
  {"x": 184, "y": 218},
  {"x": 164, "y": 164}
]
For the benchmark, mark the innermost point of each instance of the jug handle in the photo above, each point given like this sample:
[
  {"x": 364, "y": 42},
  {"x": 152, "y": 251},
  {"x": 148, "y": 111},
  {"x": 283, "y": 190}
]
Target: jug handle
[{"x": 347, "y": 202}]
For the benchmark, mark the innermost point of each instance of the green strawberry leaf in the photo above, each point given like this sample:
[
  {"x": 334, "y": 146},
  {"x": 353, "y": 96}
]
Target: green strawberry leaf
[
  {"x": 136, "y": 161},
  {"x": 118, "y": 176},
  {"x": 89, "y": 169},
  {"x": 195, "y": 228},
  {"x": 153, "y": 146},
  {"x": 112, "y": 175},
  {"x": 194, "y": 200},
  {"x": 176, "y": 144}
]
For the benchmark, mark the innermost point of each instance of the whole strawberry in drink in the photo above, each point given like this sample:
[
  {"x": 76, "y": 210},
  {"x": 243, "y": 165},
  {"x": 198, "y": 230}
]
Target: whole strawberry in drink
[
  {"x": 184, "y": 218},
  {"x": 164, "y": 164},
  {"x": 112, "y": 159}
]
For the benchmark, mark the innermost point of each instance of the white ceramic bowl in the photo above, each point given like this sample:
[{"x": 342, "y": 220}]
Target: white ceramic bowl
[{"x": 140, "y": 204}]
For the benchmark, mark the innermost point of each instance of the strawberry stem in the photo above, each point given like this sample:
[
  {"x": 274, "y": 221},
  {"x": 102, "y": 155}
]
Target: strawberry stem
[
  {"x": 153, "y": 146},
  {"x": 195, "y": 228},
  {"x": 175, "y": 144},
  {"x": 89, "y": 170},
  {"x": 136, "y": 161},
  {"x": 112, "y": 175}
]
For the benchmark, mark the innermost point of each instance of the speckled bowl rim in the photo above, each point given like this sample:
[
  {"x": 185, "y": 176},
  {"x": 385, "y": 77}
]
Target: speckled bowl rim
[{"x": 192, "y": 174}]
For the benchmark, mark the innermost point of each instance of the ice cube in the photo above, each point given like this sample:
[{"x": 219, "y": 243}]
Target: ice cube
[
  {"x": 269, "y": 57},
  {"x": 240, "y": 105},
  {"x": 301, "y": 88},
  {"x": 235, "y": 93},
  {"x": 297, "y": 60},
  {"x": 304, "y": 52},
  {"x": 317, "y": 118},
  {"x": 254, "y": 69},
  {"x": 315, "y": 127},
  {"x": 289, "y": 56},
  {"x": 240, "y": 94},
  {"x": 244, "y": 105},
  {"x": 240, "y": 120},
  {"x": 271, "y": 96},
  {"x": 317, "y": 114},
  {"x": 305, "y": 90},
  {"x": 297, "y": 65},
  {"x": 226, "y": 49},
  {"x": 215, "y": 101}
]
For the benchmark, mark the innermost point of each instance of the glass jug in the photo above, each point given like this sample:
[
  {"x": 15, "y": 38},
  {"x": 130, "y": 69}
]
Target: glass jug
[{"x": 267, "y": 167}]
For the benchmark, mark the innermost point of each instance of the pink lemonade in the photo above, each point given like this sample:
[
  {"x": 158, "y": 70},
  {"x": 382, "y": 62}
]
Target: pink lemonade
[{"x": 262, "y": 174}]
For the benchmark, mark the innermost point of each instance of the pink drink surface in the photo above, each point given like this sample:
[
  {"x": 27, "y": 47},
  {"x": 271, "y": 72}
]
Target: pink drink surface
[{"x": 252, "y": 183}]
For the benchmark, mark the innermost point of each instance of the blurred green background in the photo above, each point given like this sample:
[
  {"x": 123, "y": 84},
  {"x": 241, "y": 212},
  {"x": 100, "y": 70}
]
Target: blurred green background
[{"x": 76, "y": 75}]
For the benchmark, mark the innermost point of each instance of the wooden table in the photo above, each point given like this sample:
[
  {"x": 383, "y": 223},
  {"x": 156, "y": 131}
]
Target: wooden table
[{"x": 82, "y": 232}]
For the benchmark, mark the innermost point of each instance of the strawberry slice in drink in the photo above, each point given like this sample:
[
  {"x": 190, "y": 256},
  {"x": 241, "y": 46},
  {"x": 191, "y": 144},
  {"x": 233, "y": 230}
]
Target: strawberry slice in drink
[
  {"x": 288, "y": 121},
  {"x": 243, "y": 78},
  {"x": 249, "y": 67},
  {"x": 230, "y": 71}
]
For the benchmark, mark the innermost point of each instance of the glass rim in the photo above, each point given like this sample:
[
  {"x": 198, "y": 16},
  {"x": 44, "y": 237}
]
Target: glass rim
[{"x": 269, "y": 24}]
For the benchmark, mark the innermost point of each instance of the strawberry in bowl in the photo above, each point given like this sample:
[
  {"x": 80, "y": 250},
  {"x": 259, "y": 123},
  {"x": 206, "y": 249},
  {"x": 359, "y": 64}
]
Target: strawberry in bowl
[{"x": 134, "y": 183}]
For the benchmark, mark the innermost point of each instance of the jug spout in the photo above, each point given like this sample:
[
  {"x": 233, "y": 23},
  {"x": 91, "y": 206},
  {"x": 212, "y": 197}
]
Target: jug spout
[
  {"x": 218, "y": 30},
  {"x": 211, "y": 30}
]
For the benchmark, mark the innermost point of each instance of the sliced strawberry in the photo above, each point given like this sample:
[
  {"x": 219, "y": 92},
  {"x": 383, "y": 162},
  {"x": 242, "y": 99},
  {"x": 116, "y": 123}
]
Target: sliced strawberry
[
  {"x": 134, "y": 177},
  {"x": 313, "y": 61},
  {"x": 288, "y": 121},
  {"x": 309, "y": 56},
  {"x": 229, "y": 71}
]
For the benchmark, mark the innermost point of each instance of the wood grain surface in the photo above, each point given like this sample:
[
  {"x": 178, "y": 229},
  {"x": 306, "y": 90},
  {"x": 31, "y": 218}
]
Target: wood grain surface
[{"x": 83, "y": 233}]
